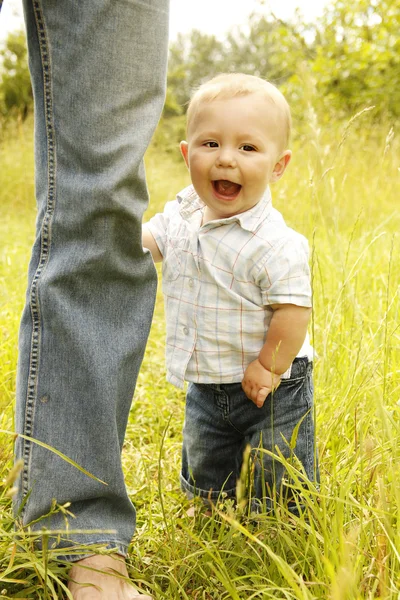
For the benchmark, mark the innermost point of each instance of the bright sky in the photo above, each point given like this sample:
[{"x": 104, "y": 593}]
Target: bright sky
[
  {"x": 210, "y": 16},
  {"x": 218, "y": 16}
]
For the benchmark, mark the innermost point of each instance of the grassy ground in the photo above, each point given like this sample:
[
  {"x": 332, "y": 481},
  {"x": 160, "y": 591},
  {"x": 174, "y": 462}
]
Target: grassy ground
[{"x": 341, "y": 191}]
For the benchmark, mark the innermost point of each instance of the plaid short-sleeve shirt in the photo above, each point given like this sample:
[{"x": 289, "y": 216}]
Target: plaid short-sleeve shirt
[{"x": 219, "y": 280}]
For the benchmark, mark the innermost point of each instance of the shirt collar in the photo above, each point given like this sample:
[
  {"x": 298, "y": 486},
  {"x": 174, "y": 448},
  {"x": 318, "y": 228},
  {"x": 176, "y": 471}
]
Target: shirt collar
[{"x": 190, "y": 203}]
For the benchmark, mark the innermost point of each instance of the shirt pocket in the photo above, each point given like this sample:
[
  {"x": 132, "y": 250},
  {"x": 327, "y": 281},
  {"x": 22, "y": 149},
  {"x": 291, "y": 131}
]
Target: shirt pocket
[{"x": 172, "y": 261}]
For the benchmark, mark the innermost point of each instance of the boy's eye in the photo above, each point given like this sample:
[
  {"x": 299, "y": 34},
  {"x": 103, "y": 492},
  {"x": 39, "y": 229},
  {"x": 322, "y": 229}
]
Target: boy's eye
[
  {"x": 248, "y": 148},
  {"x": 211, "y": 144}
]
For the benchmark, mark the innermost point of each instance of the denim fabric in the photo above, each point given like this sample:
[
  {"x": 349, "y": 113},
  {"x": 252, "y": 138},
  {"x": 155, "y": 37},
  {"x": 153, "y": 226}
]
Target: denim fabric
[
  {"x": 221, "y": 421},
  {"x": 98, "y": 73}
]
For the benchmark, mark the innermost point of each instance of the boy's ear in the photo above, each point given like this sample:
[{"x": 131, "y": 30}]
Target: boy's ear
[
  {"x": 281, "y": 165},
  {"x": 184, "y": 146}
]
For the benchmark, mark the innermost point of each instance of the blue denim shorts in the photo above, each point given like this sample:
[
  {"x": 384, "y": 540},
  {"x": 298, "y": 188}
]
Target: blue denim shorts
[{"x": 220, "y": 422}]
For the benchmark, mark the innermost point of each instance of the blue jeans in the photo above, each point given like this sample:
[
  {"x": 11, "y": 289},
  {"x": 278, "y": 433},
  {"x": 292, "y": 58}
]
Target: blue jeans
[
  {"x": 98, "y": 73},
  {"x": 220, "y": 421}
]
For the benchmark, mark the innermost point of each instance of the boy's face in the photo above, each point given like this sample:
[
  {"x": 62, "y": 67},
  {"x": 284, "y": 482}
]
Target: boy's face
[{"x": 234, "y": 150}]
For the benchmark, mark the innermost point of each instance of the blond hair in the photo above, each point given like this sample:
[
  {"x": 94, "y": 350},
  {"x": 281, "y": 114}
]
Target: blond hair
[{"x": 230, "y": 85}]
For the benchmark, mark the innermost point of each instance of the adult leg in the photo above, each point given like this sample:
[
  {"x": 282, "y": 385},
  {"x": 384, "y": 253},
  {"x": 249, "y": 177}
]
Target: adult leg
[{"x": 98, "y": 74}]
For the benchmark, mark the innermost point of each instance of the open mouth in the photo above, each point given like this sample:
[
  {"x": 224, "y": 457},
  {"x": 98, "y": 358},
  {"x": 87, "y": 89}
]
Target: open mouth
[{"x": 227, "y": 190}]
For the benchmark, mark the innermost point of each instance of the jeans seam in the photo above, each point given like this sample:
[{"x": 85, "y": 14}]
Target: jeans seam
[
  {"x": 222, "y": 402},
  {"x": 309, "y": 434},
  {"x": 45, "y": 233}
]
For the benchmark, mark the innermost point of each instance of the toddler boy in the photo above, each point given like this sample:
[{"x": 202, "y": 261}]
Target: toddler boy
[{"x": 237, "y": 294}]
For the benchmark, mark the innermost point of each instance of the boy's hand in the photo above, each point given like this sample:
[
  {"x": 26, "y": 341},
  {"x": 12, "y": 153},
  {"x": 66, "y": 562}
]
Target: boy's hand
[{"x": 258, "y": 382}]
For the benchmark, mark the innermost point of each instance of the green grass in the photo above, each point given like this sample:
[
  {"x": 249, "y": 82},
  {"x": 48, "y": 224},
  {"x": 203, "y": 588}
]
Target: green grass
[{"x": 341, "y": 191}]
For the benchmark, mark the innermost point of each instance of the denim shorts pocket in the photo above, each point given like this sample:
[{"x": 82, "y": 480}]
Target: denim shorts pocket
[{"x": 298, "y": 388}]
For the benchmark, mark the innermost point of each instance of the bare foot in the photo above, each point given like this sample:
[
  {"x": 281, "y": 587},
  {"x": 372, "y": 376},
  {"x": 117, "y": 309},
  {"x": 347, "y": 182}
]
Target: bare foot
[{"x": 102, "y": 577}]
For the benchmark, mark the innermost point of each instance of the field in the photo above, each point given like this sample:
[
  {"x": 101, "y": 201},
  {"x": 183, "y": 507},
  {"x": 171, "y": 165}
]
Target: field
[{"x": 342, "y": 192}]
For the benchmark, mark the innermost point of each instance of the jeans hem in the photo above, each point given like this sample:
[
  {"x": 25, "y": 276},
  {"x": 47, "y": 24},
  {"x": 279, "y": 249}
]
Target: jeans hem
[
  {"x": 209, "y": 496},
  {"x": 119, "y": 547}
]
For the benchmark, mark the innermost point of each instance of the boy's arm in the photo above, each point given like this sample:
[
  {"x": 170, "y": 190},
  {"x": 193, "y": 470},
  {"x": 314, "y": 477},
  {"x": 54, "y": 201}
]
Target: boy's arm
[
  {"x": 286, "y": 334},
  {"x": 150, "y": 243}
]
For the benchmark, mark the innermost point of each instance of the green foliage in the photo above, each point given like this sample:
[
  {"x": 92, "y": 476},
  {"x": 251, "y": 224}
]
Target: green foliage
[
  {"x": 192, "y": 59},
  {"x": 15, "y": 85},
  {"x": 350, "y": 57},
  {"x": 341, "y": 191},
  {"x": 196, "y": 57},
  {"x": 168, "y": 135},
  {"x": 357, "y": 60}
]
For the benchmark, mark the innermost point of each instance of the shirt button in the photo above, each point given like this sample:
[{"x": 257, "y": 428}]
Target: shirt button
[
  {"x": 185, "y": 330},
  {"x": 191, "y": 282}
]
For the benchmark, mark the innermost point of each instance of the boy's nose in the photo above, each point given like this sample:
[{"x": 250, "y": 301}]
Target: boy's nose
[{"x": 226, "y": 158}]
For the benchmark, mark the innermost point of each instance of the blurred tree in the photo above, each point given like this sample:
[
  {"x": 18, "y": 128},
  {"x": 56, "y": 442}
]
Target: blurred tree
[
  {"x": 277, "y": 51},
  {"x": 15, "y": 84},
  {"x": 196, "y": 57},
  {"x": 357, "y": 60},
  {"x": 347, "y": 60},
  {"x": 193, "y": 58}
]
